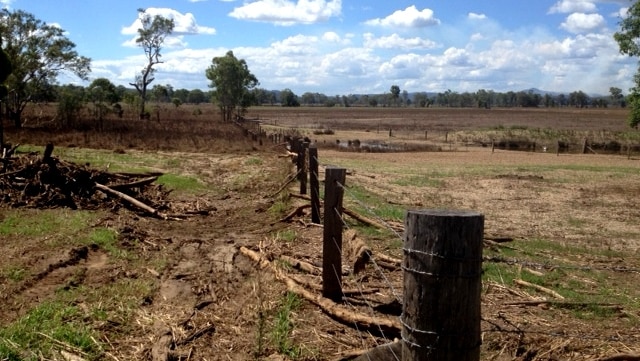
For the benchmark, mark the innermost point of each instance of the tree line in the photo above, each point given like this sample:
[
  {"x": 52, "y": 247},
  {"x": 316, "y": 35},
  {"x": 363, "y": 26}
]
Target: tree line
[{"x": 35, "y": 53}]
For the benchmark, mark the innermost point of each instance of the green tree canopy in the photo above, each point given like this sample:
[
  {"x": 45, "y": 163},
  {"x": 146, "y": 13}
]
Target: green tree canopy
[
  {"x": 395, "y": 93},
  {"x": 232, "y": 85},
  {"x": 103, "y": 90},
  {"x": 38, "y": 53},
  {"x": 628, "y": 39},
  {"x": 151, "y": 37},
  {"x": 289, "y": 98}
]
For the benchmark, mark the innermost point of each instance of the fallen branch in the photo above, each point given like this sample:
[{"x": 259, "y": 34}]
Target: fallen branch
[
  {"x": 137, "y": 183},
  {"x": 621, "y": 357},
  {"x": 196, "y": 334},
  {"x": 131, "y": 200},
  {"x": 539, "y": 288},
  {"x": 301, "y": 265},
  {"x": 362, "y": 219},
  {"x": 295, "y": 212},
  {"x": 286, "y": 183},
  {"x": 560, "y": 303},
  {"x": 392, "y": 326}
]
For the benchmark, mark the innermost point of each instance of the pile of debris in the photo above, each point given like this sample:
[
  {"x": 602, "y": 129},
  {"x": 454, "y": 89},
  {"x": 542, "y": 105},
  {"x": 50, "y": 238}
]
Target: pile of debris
[{"x": 43, "y": 181}]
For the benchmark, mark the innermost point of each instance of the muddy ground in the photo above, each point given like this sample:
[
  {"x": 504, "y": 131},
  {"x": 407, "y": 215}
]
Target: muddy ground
[{"x": 206, "y": 300}]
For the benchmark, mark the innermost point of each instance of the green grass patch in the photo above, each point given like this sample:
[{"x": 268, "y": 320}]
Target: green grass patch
[
  {"x": 41, "y": 331},
  {"x": 181, "y": 183},
  {"x": 283, "y": 326},
  {"x": 31, "y": 223},
  {"x": 372, "y": 205},
  {"x": 14, "y": 273},
  {"x": 287, "y": 235},
  {"x": 253, "y": 161}
]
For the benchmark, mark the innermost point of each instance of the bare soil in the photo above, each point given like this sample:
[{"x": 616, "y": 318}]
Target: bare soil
[{"x": 214, "y": 303}]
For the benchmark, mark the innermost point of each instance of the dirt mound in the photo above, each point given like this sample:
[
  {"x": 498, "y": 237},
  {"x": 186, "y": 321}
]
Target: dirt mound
[{"x": 36, "y": 181}]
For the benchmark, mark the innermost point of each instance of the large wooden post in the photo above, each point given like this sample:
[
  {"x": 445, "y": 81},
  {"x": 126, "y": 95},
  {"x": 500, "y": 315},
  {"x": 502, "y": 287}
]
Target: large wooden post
[
  {"x": 442, "y": 284},
  {"x": 332, "y": 234},
  {"x": 314, "y": 184}
]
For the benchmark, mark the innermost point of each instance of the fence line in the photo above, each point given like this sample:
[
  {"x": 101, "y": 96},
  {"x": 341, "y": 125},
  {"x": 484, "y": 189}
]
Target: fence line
[{"x": 493, "y": 326}]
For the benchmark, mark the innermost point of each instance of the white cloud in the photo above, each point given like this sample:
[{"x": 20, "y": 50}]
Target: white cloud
[
  {"x": 286, "y": 12},
  {"x": 184, "y": 24},
  {"x": 622, "y": 13},
  {"x": 331, "y": 37},
  {"x": 580, "y": 22},
  {"x": 573, "y": 6},
  {"x": 411, "y": 17},
  {"x": 296, "y": 45},
  {"x": 474, "y": 16},
  {"x": 395, "y": 41},
  {"x": 6, "y": 4}
]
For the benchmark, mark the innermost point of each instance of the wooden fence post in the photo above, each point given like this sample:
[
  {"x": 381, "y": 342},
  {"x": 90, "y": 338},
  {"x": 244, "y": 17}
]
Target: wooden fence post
[
  {"x": 314, "y": 184},
  {"x": 303, "y": 175},
  {"x": 442, "y": 283},
  {"x": 332, "y": 234}
]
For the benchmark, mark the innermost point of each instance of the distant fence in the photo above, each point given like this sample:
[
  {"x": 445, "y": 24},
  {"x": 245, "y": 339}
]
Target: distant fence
[{"x": 255, "y": 130}]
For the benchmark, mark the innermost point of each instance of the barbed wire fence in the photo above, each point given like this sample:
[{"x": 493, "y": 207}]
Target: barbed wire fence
[{"x": 498, "y": 323}]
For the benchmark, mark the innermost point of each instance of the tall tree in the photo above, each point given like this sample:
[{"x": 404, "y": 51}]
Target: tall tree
[
  {"x": 102, "y": 93},
  {"x": 38, "y": 52},
  {"x": 395, "y": 93},
  {"x": 5, "y": 69},
  {"x": 151, "y": 37},
  {"x": 232, "y": 85},
  {"x": 616, "y": 96},
  {"x": 628, "y": 39}
]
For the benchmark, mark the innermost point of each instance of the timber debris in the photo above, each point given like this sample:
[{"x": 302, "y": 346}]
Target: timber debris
[{"x": 45, "y": 181}]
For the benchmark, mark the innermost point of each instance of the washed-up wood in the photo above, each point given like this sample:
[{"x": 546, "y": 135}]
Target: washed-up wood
[
  {"x": 390, "y": 326},
  {"x": 539, "y": 288},
  {"x": 131, "y": 200}
]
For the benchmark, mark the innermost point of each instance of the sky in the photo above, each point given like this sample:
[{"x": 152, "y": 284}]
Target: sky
[{"x": 341, "y": 47}]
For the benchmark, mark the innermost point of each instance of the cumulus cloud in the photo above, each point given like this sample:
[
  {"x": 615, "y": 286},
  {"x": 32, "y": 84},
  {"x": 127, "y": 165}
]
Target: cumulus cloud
[
  {"x": 622, "y": 13},
  {"x": 573, "y": 6},
  {"x": 411, "y": 17},
  {"x": 474, "y": 16},
  {"x": 6, "y": 4},
  {"x": 395, "y": 41},
  {"x": 580, "y": 22},
  {"x": 286, "y": 12},
  {"x": 185, "y": 24}
]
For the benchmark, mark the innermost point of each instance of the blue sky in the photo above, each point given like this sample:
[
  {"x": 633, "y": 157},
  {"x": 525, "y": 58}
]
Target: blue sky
[{"x": 352, "y": 47}]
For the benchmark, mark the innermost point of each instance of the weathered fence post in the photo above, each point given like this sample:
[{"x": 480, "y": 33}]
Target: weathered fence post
[
  {"x": 332, "y": 233},
  {"x": 442, "y": 284},
  {"x": 304, "y": 146},
  {"x": 314, "y": 184}
]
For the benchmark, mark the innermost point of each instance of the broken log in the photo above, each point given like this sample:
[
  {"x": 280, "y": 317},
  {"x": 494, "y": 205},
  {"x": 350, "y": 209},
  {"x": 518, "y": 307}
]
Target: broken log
[
  {"x": 138, "y": 183},
  {"x": 358, "y": 252},
  {"x": 390, "y": 326},
  {"x": 539, "y": 288},
  {"x": 295, "y": 212},
  {"x": 301, "y": 265},
  {"x": 621, "y": 357},
  {"x": 131, "y": 200},
  {"x": 363, "y": 219}
]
